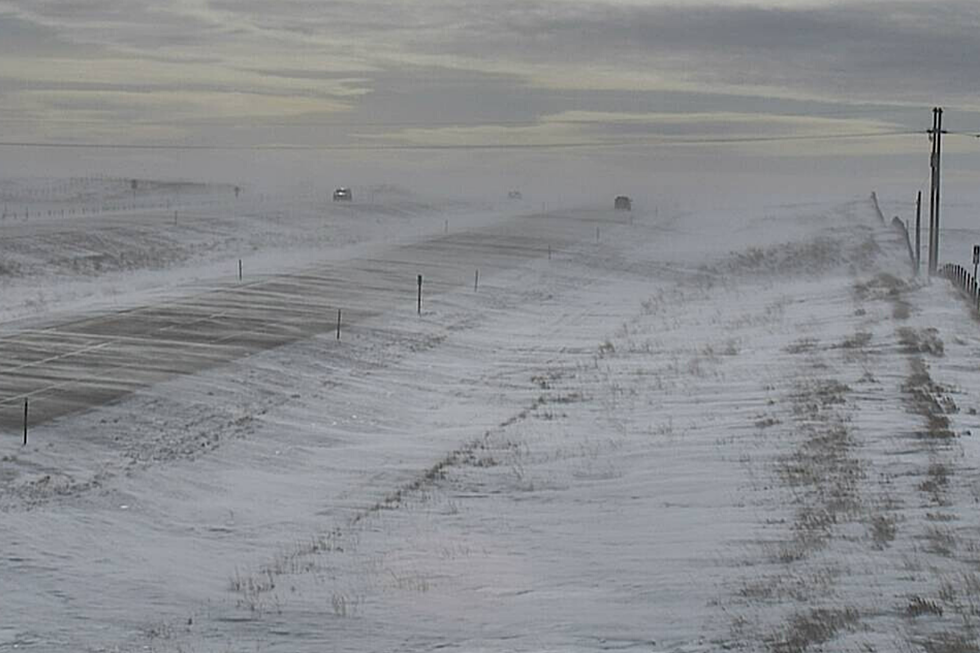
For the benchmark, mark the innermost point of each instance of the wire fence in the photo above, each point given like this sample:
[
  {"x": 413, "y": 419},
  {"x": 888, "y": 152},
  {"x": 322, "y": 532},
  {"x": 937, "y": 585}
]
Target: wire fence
[
  {"x": 965, "y": 282},
  {"x": 901, "y": 228}
]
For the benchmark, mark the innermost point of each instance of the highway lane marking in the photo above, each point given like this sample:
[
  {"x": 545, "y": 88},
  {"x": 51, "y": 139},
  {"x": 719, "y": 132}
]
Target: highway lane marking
[
  {"x": 101, "y": 377},
  {"x": 111, "y": 340},
  {"x": 76, "y": 352}
]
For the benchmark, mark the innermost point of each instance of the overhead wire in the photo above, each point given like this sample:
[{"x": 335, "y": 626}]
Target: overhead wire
[
  {"x": 663, "y": 141},
  {"x": 961, "y": 133}
]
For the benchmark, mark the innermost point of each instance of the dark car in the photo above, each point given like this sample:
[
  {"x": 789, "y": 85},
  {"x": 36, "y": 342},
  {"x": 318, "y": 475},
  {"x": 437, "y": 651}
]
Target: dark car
[
  {"x": 623, "y": 203},
  {"x": 342, "y": 195}
]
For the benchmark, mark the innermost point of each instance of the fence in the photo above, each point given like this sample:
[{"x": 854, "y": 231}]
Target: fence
[
  {"x": 874, "y": 201},
  {"x": 902, "y": 230},
  {"x": 965, "y": 282}
]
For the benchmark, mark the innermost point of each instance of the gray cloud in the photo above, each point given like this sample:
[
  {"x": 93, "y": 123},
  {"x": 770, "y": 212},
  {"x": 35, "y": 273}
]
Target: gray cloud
[
  {"x": 732, "y": 58},
  {"x": 18, "y": 36},
  {"x": 885, "y": 50}
]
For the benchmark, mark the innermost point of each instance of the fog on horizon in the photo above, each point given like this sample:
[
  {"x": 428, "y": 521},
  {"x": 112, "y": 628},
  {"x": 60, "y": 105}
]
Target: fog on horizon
[{"x": 564, "y": 99}]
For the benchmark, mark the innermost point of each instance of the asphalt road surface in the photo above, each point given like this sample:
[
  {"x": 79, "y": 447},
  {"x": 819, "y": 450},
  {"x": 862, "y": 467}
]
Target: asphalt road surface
[{"x": 77, "y": 364}]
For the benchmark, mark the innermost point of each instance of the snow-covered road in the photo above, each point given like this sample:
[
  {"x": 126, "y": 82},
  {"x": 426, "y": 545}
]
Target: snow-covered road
[{"x": 66, "y": 365}]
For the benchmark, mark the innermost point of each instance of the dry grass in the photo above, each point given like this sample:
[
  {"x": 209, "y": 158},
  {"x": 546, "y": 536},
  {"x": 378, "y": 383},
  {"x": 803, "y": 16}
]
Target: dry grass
[
  {"x": 883, "y": 529},
  {"x": 814, "y": 256},
  {"x": 801, "y": 346},
  {"x": 606, "y": 349},
  {"x": 881, "y": 286},
  {"x": 951, "y": 643},
  {"x": 813, "y": 628},
  {"x": 942, "y": 541},
  {"x": 918, "y": 606},
  {"x": 344, "y": 605},
  {"x": 929, "y": 399},
  {"x": 859, "y": 340},
  {"x": 901, "y": 310},
  {"x": 921, "y": 341},
  {"x": 936, "y": 483}
]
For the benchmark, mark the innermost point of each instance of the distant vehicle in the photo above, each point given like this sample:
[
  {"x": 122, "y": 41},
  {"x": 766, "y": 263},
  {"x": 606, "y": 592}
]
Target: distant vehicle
[
  {"x": 514, "y": 195},
  {"x": 342, "y": 195},
  {"x": 623, "y": 203}
]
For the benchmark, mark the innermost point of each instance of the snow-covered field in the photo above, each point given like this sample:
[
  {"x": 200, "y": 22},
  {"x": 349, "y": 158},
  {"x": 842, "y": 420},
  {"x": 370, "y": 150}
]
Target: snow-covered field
[{"x": 675, "y": 432}]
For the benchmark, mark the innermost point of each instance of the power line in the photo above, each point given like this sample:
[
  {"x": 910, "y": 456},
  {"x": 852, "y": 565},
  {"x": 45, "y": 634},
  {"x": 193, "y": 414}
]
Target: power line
[
  {"x": 735, "y": 140},
  {"x": 962, "y": 133},
  {"x": 231, "y": 122},
  {"x": 277, "y": 123},
  {"x": 801, "y": 137}
]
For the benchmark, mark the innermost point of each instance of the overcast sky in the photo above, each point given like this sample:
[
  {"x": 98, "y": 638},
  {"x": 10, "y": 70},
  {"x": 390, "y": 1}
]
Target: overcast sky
[{"x": 595, "y": 75}]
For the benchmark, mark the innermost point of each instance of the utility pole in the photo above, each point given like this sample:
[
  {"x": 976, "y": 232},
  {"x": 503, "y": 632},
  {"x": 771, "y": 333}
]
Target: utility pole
[
  {"x": 932, "y": 190},
  {"x": 939, "y": 178},
  {"x": 918, "y": 234},
  {"x": 934, "y": 201}
]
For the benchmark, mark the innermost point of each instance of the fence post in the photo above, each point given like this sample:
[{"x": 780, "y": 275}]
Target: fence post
[{"x": 25, "y": 421}]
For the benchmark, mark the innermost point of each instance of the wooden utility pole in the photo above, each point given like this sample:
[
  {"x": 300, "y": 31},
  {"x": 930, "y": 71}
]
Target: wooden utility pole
[
  {"x": 932, "y": 191},
  {"x": 934, "y": 200},
  {"x": 918, "y": 233},
  {"x": 939, "y": 178}
]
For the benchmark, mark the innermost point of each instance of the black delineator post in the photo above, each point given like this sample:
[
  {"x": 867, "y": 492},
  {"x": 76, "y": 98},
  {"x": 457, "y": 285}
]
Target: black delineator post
[
  {"x": 338, "y": 323},
  {"x": 420, "y": 295},
  {"x": 239, "y": 269},
  {"x": 25, "y": 421},
  {"x": 476, "y": 281},
  {"x": 976, "y": 259}
]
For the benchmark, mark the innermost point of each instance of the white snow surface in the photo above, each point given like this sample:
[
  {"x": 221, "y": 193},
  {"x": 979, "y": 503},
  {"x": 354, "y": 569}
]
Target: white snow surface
[{"x": 740, "y": 430}]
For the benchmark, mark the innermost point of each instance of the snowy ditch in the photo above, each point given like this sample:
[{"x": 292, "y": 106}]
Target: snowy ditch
[{"x": 668, "y": 441}]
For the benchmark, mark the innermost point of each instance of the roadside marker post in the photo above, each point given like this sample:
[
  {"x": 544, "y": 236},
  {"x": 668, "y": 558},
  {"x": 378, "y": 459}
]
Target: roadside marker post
[
  {"x": 25, "y": 421},
  {"x": 976, "y": 259},
  {"x": 476, "y": 281},
  {"x": 420, "y": 295},
  {"x": 338, "y": 323},
  {"x": 239, "y": 269}
]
